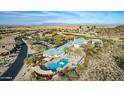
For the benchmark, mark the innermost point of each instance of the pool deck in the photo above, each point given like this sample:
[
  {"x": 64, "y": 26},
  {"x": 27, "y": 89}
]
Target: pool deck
[
  {"x": 73, "y": 62},
  {"x": 42, "y": 72}
]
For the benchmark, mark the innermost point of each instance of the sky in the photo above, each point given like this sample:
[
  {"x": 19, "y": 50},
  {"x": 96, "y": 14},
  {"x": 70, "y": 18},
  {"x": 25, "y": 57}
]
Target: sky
[{"x": 61, "y": 17}]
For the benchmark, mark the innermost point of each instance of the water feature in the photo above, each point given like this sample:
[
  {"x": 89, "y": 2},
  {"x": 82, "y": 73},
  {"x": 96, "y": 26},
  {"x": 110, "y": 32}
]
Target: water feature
[{"x": 58, "y": 64}]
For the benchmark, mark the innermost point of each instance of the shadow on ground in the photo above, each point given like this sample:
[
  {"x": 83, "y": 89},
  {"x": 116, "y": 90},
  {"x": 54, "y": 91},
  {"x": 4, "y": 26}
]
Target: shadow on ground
[{"x": 12, "y": 72}]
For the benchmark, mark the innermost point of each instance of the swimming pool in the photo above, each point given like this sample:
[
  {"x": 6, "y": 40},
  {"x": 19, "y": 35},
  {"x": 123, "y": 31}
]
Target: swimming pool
[{"x": 59, "y": 64}]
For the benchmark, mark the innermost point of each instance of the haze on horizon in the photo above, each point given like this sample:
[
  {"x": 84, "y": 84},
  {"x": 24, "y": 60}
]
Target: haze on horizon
[{"x": 61, "y": 17}]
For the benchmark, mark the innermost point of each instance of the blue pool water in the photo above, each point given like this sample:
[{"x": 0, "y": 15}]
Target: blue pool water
[{"x": 59, "y": 64}]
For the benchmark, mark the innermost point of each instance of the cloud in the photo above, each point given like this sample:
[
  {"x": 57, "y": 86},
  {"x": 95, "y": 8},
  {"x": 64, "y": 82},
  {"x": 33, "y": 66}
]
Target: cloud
[{"x": 70, "y": 17}]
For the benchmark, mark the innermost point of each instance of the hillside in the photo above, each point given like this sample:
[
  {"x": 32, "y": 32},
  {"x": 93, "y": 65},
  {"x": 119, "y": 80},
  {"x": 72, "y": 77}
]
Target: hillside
[{"x": 106, "y": 65}]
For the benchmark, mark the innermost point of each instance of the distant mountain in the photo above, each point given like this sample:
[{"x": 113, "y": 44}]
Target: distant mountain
[
  {"x": 51, "y": 24},
  {"x": 73, "y": 24},
  {"x": 65, "y": 24}
]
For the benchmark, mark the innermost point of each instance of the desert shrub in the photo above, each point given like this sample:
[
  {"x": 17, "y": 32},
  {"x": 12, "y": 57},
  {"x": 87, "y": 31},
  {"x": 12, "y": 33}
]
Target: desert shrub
[
  {"x": 79, "y": 67},
  {"x": 121, "y": 38},
  {"x": 108, "y": 42},
  {"x": 19, "y": 42},
  {"x": 0, "y": 37},
  {"x": 120, "y": 61},
  {"x": 78, "y": 51},
  {"x": 29, "y": 60}
]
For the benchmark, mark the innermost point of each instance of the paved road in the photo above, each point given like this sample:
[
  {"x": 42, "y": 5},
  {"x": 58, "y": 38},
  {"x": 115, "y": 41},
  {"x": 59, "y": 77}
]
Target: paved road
[{"x": 12, "y": 72}]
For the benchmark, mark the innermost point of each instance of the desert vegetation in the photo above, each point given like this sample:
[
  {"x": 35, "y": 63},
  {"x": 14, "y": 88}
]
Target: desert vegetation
[{"x": 102, "y": 63}]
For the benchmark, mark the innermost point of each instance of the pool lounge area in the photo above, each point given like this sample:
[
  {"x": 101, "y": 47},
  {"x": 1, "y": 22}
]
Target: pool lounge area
[{"x": 51, "y": 68}]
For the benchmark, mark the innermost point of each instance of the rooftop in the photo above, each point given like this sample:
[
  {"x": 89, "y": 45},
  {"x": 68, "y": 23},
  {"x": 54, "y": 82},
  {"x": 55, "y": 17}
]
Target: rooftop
[
  {"x": 80, "y": 41},
  {"x": 60, "y": 50}
]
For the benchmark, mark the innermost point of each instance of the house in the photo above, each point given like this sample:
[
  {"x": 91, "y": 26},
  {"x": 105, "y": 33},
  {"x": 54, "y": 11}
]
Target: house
[
  {"x": 55, "y": 52},
  {"x": 93, "y": 41},
  {"x": 50, "y": 53},
  {"x": 78, "y": 42}
]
